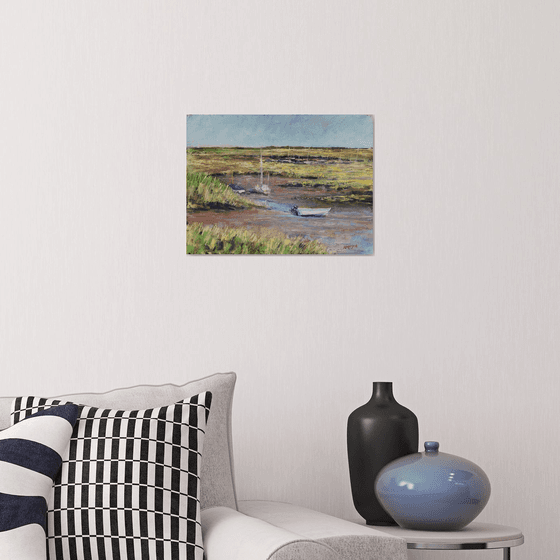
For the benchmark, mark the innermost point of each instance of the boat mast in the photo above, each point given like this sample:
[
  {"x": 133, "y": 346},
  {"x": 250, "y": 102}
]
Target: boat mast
[{"x": 261, "y": 169}]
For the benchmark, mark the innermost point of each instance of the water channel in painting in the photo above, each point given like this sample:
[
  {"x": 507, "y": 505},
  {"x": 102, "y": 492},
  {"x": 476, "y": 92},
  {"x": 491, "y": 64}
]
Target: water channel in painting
[{"x": 346, "y": 230}]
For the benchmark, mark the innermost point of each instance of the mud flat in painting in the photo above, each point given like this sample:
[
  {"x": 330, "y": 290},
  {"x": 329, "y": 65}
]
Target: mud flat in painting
[{"x": 280, "y": 184}]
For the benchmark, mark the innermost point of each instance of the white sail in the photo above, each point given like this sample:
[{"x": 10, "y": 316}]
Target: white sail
[{"x": 262, "y": 188}]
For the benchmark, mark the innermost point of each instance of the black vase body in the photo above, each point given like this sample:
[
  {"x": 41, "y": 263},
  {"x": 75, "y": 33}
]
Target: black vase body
[{"x": 378, "y": 432}]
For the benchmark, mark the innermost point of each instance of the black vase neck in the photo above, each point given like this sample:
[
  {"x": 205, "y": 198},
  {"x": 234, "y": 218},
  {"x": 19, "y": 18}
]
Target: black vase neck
[{"x": 382, "y": 391}]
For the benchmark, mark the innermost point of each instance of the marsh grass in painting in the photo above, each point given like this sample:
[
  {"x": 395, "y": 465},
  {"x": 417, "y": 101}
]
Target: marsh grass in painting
[
  {"x": 279, "y": 199},
  {"x": 219, "y": 240},
  {"x": 205, "y": 192}
]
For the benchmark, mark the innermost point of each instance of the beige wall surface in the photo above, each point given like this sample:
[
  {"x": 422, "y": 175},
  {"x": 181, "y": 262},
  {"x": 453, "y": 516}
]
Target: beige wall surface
[{"x": 459, "y": 307}]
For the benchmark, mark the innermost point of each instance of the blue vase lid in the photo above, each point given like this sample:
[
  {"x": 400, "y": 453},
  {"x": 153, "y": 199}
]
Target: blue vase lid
[{"x": 431, "y": 446}]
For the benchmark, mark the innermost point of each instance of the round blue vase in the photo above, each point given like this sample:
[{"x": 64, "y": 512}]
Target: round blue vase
[{"x": 432, "y": 491}]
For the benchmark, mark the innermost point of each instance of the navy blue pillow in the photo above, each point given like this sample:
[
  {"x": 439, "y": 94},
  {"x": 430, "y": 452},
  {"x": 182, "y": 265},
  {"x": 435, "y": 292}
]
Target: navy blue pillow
[{"x": 30, "y": 457}]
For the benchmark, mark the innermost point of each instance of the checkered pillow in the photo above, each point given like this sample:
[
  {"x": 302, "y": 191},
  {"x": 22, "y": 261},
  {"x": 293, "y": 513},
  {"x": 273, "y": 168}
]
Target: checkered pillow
[{"x": 129, "y": 485}]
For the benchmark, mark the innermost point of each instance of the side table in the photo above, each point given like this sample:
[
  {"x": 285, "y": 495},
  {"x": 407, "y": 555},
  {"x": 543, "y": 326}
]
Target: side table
[{"x": 473, "y": 536}]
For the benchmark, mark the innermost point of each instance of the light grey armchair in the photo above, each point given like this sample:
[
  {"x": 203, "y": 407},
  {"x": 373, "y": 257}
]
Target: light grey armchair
[{"x": 234, "y": 529}]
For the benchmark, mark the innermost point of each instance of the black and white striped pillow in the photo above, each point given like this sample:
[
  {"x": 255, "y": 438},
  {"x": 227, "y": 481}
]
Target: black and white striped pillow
[
  {"x": 30, "y": 457},
  {"x": 129, "y": 486}
]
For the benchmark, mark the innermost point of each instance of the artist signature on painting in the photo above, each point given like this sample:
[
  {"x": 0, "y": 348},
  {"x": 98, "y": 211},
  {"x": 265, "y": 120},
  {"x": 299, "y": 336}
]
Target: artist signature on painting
[{"x": 350, "y": 246}]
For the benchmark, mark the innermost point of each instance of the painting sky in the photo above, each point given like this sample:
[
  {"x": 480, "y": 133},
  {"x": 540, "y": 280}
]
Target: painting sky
[{"x": 341, "y": 131}]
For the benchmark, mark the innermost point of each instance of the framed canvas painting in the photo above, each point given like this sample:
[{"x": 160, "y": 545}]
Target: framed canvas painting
[{"x": 280, "y": 184}]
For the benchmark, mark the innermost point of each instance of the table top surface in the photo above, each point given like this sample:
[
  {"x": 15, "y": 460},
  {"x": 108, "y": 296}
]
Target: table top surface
[{"x": 474, "y": 535}]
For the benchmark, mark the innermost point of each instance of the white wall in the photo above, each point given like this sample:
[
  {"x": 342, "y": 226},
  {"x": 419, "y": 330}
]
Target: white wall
[{"x": 459, "y": 306}]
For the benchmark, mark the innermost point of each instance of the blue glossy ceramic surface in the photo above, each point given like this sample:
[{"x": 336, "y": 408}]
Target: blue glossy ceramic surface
[{"x": 432, "y": 491}]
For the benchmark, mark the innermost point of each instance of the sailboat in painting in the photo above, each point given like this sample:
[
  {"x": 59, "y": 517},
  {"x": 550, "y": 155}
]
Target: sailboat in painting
[{"x": 261, "y": 188}]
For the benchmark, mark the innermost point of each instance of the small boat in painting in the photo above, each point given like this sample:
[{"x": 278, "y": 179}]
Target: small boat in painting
[
  {"x": 309, "y": 212},
  {"x": 262, "y": 188}
]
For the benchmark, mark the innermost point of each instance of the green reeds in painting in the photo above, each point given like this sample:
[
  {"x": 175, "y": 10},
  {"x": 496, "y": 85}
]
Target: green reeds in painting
[
  {"x": 206, "y": 192},
  {"x": 218, "y": 240}
]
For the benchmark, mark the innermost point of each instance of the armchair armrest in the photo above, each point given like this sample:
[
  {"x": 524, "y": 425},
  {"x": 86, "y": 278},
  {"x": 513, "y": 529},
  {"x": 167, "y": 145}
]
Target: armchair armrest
[
  {"x": 350, "y": 541},
  {"x": 231, "y": 535}
]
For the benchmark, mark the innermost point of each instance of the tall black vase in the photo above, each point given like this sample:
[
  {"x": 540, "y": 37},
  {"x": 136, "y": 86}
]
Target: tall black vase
[{"x": 378, "y": 432}]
